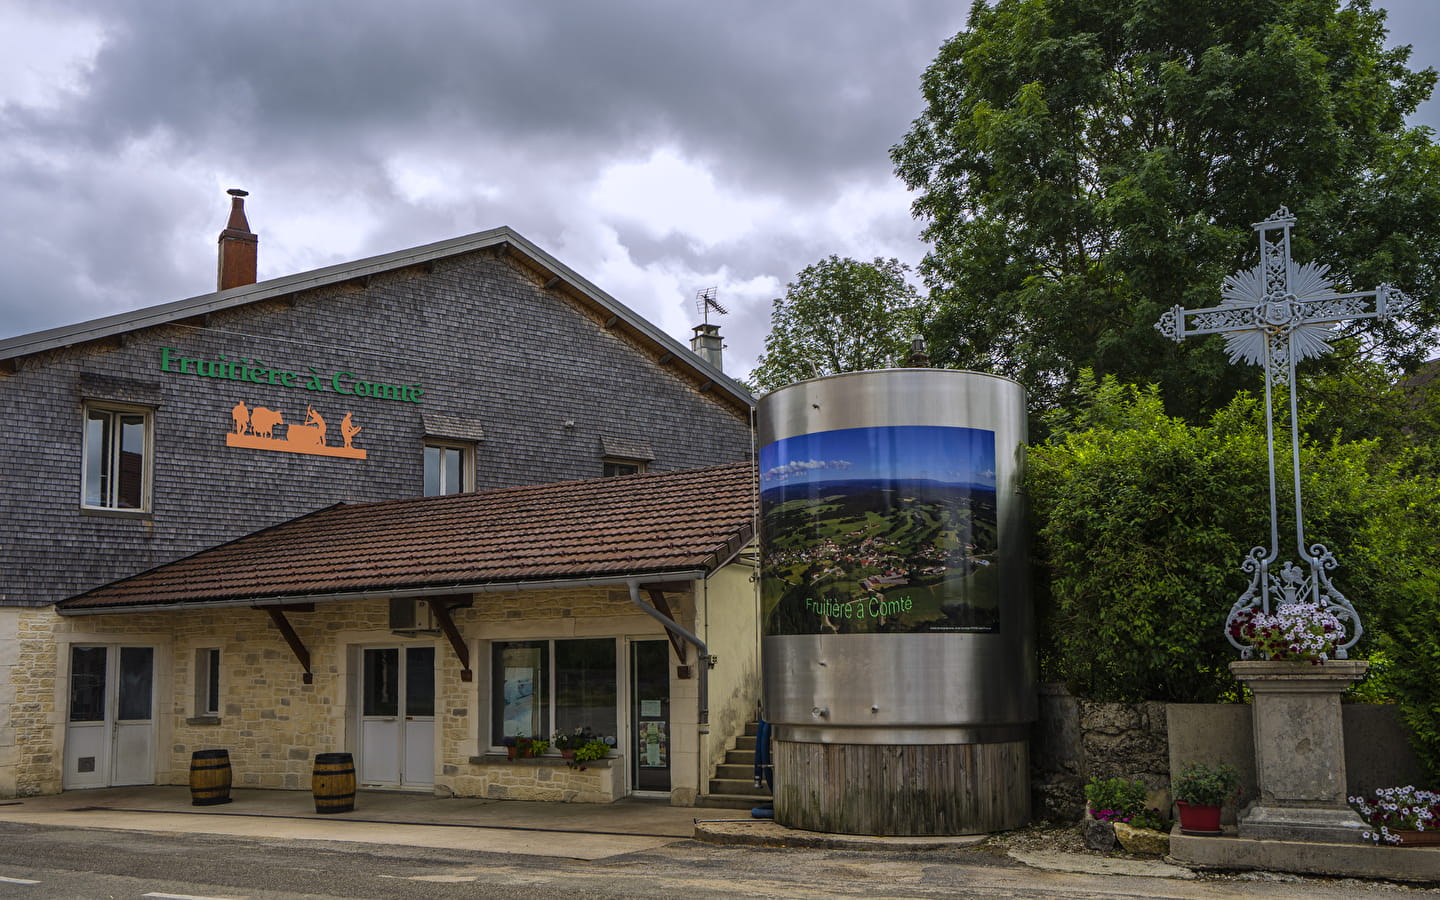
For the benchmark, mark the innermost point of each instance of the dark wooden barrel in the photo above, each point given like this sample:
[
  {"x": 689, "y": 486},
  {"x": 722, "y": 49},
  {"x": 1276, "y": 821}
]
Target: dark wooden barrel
[
  {"x": 209, "y": 777},
  {"x": 334, "y": 783}
]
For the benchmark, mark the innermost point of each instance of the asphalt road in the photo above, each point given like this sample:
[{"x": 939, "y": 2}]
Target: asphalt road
[{"x": 48, "y": 862}]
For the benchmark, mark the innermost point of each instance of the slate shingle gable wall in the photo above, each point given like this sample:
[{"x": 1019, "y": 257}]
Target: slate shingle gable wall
[{"x": 485, "y": 339}]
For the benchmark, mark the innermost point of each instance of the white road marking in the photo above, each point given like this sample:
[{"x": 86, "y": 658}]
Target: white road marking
[
  {"x": 17, "y": 880},
  {"x": 183, "y": 897}
]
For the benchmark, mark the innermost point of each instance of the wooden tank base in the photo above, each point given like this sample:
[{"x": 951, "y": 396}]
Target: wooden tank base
[{"x": 902, "y": 789}]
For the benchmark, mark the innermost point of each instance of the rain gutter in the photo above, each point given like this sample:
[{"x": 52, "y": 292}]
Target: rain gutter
[{"x": 632, "y": 580}]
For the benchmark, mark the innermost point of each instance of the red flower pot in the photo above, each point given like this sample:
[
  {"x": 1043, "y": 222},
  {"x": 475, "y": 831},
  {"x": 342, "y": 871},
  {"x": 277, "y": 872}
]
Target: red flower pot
[{"x": 1199, "y": 820}]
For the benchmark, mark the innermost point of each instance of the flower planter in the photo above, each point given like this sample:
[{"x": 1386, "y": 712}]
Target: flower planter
[
  {"x": 567, "y": 754},
  {"x": 1418, "y": 838},
  {"x": 1199, "y": 821}
]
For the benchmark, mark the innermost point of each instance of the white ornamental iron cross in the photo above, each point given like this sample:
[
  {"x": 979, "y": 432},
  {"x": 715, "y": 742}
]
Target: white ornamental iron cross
[{"x": 1276, "y": 314}]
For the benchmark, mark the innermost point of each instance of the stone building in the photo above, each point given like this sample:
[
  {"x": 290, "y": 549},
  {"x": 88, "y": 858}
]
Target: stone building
[{"x": 472, "y": 365}]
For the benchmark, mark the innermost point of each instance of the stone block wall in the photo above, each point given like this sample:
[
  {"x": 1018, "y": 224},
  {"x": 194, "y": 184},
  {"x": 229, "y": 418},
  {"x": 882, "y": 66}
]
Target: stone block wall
[
  {"x": 272, "y": 723},
  {"x": 1075, "y": 740},
  {"x": 601, "y": 781}
]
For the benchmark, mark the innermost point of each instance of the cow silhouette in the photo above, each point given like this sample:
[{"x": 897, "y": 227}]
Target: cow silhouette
[{"x": 263, "y": 421}]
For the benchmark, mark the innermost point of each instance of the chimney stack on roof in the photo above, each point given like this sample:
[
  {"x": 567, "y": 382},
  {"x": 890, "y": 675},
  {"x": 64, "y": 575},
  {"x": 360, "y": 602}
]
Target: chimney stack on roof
[
  {"x": 918, "y": 358},
  {"x": 239, "y": 246},
  {"x": 707, "y": 345}
]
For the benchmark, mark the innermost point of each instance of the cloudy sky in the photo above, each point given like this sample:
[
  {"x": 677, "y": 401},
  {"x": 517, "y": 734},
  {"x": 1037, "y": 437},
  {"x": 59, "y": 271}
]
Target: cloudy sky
[{"x": 656, "y": 147}]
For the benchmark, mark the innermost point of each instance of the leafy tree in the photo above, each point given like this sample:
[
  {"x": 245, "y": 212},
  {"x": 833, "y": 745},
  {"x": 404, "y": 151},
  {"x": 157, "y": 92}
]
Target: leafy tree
[
  {"x": 840, "y": 315},
  {"x": 1364, "y": 401},
  {"x": 1141, "y": 520},
  {"x": 1083, "y": 165}
]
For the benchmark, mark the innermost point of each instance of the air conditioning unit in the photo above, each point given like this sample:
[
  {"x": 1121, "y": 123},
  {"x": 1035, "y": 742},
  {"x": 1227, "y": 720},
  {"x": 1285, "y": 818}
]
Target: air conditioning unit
[{"x": 409, "y": 615}]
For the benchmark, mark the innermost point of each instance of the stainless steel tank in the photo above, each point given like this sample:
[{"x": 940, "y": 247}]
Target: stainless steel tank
[{"x": 898, "y": 630}]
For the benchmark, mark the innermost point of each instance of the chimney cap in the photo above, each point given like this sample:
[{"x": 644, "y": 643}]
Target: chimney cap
[{"x": 236, "y": 192}]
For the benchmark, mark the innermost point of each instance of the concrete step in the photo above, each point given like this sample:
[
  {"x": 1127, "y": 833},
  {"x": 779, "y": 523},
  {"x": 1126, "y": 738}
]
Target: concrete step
[
  {"x": 732, "y": 801},
  {"x": 740, "y": 758},
  {"x": 742, "y": 786},
  {"x": 752, "y": 728},
  {"x": 733, "y": 770},
  {"x": 745, "y": 742}
]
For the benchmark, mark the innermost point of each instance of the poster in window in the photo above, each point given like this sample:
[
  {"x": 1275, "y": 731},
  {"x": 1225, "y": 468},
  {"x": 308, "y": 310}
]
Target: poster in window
[
  {"x": 654, "y": 745},
  {"x": 522, "y": 673}
]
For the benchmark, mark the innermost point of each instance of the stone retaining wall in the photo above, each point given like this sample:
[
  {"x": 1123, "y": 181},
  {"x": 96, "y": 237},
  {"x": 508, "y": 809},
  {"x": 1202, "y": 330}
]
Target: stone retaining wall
[{"x": 1075, "y": 740}]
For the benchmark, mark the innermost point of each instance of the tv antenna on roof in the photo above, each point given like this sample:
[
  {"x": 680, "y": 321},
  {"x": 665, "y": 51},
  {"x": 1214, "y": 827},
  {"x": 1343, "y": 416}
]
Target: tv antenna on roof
[{"x": 705, "y": 301}]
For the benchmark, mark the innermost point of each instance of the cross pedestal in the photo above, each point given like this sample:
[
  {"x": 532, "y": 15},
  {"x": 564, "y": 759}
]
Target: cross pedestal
[{"x": 1299, "y": 751}]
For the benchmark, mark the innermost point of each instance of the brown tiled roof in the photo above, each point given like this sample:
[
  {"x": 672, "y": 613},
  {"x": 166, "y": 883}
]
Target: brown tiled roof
[{"x": 638, "y": 525}]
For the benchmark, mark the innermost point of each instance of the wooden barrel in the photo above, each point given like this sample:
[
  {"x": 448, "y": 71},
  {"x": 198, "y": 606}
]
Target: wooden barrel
[
  {"x": 209, "y": 777},
  {"x": 334, "y": 783}
]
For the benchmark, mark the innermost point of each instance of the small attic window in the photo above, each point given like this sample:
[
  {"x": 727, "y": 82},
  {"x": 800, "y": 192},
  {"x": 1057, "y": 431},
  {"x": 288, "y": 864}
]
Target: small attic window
[{"x": 612, "y": 467}]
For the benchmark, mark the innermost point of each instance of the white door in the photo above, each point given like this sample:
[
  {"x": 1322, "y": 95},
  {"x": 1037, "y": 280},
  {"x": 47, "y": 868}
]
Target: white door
[
  {"x": 110, "y": 732},
  {"x": 397, "y": 716}
]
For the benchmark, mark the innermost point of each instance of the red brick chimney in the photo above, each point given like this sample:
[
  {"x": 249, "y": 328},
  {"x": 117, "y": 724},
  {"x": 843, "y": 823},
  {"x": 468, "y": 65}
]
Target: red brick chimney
[{"x": 238, "y": 246}]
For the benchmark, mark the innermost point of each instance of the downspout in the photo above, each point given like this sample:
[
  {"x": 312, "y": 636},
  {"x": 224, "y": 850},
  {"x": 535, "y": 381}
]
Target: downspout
[{"x": 702, "y": 664}]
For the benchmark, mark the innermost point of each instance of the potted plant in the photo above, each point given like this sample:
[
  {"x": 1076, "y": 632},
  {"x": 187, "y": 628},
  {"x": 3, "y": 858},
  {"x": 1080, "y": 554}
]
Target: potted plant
[
  {"x": 519, "y": 746},
  {"x": 1107, "y": 801},
  {"x": 1114, "y": 799},
  {"x": 592, "y": 749},
  {"x": 1200, "y": 791},
  {"x": 1403, "y": 816},
  {"x": 567, "y": 742},
  {"x": 1296, "y": 632}
]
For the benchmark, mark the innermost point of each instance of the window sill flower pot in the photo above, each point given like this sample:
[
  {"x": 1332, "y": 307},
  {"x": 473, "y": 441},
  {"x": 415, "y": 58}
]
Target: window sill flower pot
[
  {"x": 1418, "y": 838},
  {"x": 1197, "y": 820}
]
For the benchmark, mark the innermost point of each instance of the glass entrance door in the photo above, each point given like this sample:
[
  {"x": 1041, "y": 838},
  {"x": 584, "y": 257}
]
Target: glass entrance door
[
  {"x": 110, "y": 728},
  {"x": 650, "y": 715},
  {"x": 397, "y": 716}
]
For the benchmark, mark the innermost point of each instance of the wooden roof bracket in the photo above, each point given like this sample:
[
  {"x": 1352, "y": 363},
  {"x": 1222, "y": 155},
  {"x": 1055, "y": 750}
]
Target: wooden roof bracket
[
  {"x": 657, "y": 600},
  {"x": 673, "y": 628},
  {"x": 277, "y": 615},
  {"x": 441, "y": 612}
]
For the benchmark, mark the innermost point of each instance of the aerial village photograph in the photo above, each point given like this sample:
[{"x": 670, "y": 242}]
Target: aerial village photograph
[
  {"x": 879, "y": 529},
  {"x": 933, "y": 448}
]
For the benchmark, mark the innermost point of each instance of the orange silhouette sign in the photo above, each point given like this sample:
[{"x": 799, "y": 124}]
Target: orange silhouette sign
[{"x": 256, "y": 429}]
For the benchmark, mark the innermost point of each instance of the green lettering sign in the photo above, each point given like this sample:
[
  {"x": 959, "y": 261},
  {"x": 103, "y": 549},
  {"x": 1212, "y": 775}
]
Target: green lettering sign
[{"x": 255, "y": 371}]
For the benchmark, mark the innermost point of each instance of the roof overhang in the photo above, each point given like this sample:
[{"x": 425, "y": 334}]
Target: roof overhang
[{"x": 621, "y": 579}]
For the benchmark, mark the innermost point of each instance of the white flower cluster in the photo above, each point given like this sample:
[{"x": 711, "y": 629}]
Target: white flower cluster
[
  {"x": 1309, "y": 631},
  {"x": 1401, "y": 808}
]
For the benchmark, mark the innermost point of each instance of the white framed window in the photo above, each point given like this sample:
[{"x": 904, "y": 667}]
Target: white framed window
[
  {"x": 207, "y": 682},
  {"x": 449, "y": 468},
  {"x": 611, "y": 466},
  {"x": 540, "y": 687},
  {"x": 116, "y": 458}
]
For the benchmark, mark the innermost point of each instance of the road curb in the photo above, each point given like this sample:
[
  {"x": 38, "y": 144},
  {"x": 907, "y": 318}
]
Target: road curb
[{"x": 766, "y": 833}]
